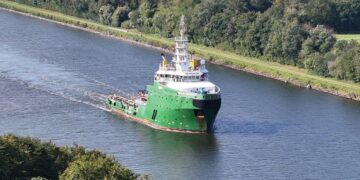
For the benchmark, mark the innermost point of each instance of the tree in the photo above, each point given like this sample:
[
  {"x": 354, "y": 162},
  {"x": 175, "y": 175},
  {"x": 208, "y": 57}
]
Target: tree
[
  {"x": 201, "y": 17},
  {"x": 27, "y": 158},
  {"x": 257, "y": 37},
  {"x": 165, "y": 23},
  {"x": 260, "y": 5},
  {"x": 294, "y": 36},
  {"x": 95, "y": 165},
  {"x": 120, "y": 15},
  {"x": 319, "y": 40},
  {"x": 347, "y": 63},
  {"x": 216, "y": 29},
  {"x": 317, "y": 63},
  {"x": 105, "y": 14},
  {"x": 135, "y": 20},
  {"x": 348, "y": 13},
  {"x": 320, "y": 12},
  {"x": 242, "y": 24}
]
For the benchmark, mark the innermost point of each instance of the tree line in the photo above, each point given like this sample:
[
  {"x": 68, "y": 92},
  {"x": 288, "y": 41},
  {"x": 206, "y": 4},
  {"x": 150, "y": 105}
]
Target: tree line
[
  {"x": 294, "y": 32},
  {"x": 28, "y": 158}
]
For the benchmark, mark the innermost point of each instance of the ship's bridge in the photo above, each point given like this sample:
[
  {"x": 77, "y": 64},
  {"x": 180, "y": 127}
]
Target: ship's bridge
[
  {"x": 202, "y": 87},
  {"x": 188, "y": 82},
  {"x": 184, "y": 73},
  {"x": 175, "y": 76}
]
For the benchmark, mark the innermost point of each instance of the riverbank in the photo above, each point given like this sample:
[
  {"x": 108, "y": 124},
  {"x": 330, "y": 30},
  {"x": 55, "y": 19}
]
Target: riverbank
[{"x": 287, "y": 74}]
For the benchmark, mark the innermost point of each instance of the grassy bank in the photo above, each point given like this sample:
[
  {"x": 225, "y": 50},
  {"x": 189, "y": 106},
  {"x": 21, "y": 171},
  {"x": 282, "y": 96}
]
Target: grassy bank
[
  {"x": 348, "y": 37},
  {"x": 273, "y": 70}
]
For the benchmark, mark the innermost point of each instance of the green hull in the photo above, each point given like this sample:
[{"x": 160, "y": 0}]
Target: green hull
[{"x": 167, "y": 109}]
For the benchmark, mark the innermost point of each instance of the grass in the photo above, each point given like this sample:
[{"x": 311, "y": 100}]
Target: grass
[
  {"x": 348, "y": 37},
  {"x": 270, "y": 69}
]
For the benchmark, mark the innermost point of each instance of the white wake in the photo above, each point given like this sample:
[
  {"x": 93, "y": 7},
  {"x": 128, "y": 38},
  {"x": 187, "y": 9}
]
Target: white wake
[{"x": 55, "y": 80}]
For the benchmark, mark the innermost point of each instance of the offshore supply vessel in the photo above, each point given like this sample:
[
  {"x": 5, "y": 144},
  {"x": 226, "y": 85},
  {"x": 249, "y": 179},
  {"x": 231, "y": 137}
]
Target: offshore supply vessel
[{"x": 182, "y": 99}]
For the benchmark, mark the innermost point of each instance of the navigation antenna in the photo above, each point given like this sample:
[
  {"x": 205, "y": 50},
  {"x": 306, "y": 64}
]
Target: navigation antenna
[{"x": 182, "y": 26}]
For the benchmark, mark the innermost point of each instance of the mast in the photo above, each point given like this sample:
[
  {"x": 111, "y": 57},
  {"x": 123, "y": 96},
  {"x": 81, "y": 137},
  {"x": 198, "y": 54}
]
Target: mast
[
  {"x": 182, "y": 57},
  {"x": 182, "y": 26}
]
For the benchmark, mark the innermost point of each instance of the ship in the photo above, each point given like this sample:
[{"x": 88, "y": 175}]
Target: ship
[{"x": 181, "y": 99}]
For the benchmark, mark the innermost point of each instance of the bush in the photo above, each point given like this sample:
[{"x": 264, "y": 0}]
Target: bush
[
  {"x": 28, "y": 158},
  {"x": 94, "y": 165}
]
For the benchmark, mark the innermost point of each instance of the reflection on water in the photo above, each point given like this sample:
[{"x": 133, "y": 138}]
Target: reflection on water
[
  {"x": 192, "y": 153},
  {"x": 53, "y": 81}
]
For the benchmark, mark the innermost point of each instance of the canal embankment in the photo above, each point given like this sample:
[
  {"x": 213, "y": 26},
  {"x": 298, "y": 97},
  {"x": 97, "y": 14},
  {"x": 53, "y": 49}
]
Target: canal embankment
[{"x": 287, "y": 74}]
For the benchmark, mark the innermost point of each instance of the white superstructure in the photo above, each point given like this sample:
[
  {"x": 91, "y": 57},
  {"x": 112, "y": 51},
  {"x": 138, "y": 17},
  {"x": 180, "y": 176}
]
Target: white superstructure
[{"x": 184, "y": 73}]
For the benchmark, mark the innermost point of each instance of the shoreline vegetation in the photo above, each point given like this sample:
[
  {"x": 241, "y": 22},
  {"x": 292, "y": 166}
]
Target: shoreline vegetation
[
  {"x": 285, "y": 73},
  {"x": 30, "y": 158}
]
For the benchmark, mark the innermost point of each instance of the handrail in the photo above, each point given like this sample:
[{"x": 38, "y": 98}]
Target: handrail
[{"x": 217, "y": 90}]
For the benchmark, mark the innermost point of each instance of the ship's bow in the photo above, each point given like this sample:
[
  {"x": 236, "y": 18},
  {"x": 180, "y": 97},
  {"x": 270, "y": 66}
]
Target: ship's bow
[{"x": 206, "y": 110}]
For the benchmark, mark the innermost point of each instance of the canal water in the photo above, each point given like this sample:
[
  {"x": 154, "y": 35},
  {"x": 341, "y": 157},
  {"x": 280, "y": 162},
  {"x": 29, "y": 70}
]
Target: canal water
[{"x": 53, "y": 80}]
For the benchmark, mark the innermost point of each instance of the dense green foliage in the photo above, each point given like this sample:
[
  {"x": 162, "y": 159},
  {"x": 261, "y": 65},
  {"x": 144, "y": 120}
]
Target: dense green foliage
[
  {"x": 27, "y": 158},
  {"x": 294, "y": 32},
  {"x": 346, "y": 63}
]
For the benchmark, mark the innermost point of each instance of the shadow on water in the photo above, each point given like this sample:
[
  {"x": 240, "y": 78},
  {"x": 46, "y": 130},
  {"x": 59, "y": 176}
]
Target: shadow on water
[
  {"x": 248, "y": 128},
  {"x": 172, "y": 141},
  {"x": 167, "y": 140},
  {"x": 188, "y": 152},
  {"x": 173, "y": 153}
]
